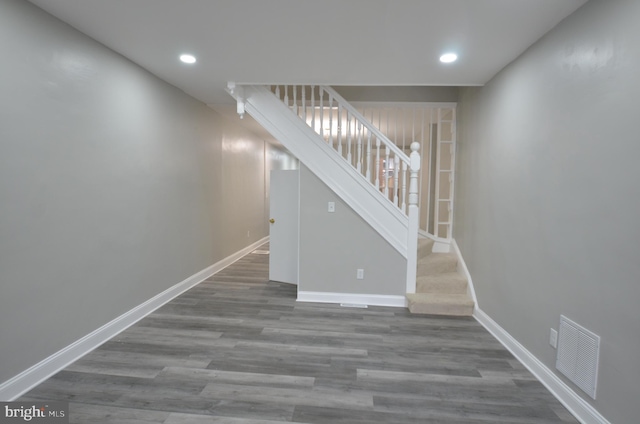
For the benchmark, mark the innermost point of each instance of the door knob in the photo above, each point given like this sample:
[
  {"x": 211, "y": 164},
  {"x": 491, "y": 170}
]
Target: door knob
[{"x": 272, "y": 220}]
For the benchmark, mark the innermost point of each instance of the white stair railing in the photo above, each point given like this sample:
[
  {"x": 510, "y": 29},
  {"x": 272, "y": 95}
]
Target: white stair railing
[
  {"x": 433, "y": 126},
  {"x": 362, "y": 145},
  {"x": 353, "y": 137},
  {"x": 347, "y": 145}
]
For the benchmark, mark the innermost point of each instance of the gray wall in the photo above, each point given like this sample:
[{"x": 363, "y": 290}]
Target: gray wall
[
  {"x": 334, "y": 245},
  {"x": 114, "y": 186},
  {"x": 548, "y": 193}
]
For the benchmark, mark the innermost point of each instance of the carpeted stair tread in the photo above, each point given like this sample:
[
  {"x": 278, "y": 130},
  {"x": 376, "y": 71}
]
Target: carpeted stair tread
[
  {"x": 444, "y": 283},
  {"x": 437, "y": 263},
  {"x": 440, "y": 304},
  {"x": 440, "y": 289}
]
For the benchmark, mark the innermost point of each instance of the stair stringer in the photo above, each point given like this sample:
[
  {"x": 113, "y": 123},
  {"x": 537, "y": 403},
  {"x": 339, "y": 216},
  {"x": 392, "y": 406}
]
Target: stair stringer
[{"x": 328, "y": 165}]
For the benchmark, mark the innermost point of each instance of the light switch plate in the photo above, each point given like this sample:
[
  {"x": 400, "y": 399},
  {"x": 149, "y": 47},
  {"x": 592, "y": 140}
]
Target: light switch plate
[
  {"x": 360, "y": 274},
  {"x": 331, "y": 207}
]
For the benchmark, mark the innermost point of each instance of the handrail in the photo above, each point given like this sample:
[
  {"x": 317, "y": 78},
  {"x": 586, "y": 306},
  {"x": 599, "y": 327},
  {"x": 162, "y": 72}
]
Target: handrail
[
  {"x": 385, "y": 140},
  {"x": 393, "y": 173},
  {"x": 358, "y": 141}
]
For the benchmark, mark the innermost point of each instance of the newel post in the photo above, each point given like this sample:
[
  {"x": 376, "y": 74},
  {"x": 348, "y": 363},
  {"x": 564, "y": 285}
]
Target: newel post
[{"x": 414, "y": 218}]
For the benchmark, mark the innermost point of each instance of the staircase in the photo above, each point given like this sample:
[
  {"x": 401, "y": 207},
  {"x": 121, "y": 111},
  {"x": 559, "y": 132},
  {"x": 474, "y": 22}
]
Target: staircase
[
  {"x": 440, "y": 289},
  {"x": 375, "y": 177}
]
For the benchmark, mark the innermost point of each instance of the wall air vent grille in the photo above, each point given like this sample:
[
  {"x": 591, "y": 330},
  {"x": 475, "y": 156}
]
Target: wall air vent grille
[{"x": 578, "y": 354}]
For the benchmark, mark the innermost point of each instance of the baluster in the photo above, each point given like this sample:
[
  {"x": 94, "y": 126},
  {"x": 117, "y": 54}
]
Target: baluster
[
  {"x": 340, "y": 128},
  {"x": 369, "y": 156},
  {"x": 414, "y": 167},
  {"x": 403, "y": 128},
  {"x": 396, "y": 178},
  {"x": 278, "y": 92},
  {"x": 364, "y": 115},
  {"x": 395, "y": 129},
  {"x": 330, "y": 119},
  {"x": 304, "y": 103},
  {"x": 286, "y": 95},
  {"x": 386, "y": 171},
  {"x": 436, "y": 196},
  {"x": 387, "y": 131},
  {"x": 414, "y": 217},
  {"x": 377, "y": 163},
  {"x": 313, "y": 107},
  {"x": 295, "y": 100},
  {"x": 404, "y": 187},
  {"x": 321, "y": 92},
  {"x": 349, "y": 138},
  {"x": 359, "y": 159}
]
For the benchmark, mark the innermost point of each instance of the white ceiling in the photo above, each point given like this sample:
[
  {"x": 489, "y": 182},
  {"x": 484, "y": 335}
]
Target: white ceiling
[{"x": 334, "y": 42}]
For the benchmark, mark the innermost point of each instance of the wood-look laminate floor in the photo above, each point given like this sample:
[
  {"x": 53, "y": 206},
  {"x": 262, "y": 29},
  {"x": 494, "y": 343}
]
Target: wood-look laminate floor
[{"x": 238, "y": 349}]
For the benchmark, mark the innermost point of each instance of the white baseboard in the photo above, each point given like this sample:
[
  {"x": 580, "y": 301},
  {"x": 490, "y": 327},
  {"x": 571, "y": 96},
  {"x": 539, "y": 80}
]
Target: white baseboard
[
  {"x": 567, "y": 396},
  {"x": 28, "y": 379},
  {"x": 584, "y": 412},
  {"x": 462, "y": 268},
  {"x": 352, "y": 298}
]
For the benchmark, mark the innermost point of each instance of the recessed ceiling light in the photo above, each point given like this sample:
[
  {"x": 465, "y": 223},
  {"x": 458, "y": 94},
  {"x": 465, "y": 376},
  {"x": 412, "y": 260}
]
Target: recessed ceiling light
[
  {"x": 188, "y": 58},
  {"x": 448, "y": 57}
]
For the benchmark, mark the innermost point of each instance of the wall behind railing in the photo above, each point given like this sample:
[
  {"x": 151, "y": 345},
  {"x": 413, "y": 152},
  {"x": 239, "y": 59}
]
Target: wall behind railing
[{"x": 114, "y": 186}]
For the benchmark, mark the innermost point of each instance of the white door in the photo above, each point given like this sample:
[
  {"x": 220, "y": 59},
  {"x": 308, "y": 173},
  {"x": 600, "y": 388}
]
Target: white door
[{"x": 283, "y": 240}]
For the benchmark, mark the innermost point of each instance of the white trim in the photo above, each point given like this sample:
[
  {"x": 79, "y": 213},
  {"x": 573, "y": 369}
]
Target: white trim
[
  {"x": 28, "y": 379},
  {"x": 462, "y": 268},
  {"x": 454, "y": 166},
  {"x": 436, "y": 193},
  {"x": 353, "y": 298},
  {"x": 299, "y": 194},
  {"x": 584, "y": 412},
  {"x": 368, "y": 124}
]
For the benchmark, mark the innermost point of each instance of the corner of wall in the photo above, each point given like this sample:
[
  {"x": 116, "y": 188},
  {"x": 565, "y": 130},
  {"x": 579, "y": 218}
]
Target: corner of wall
[{"x": 31, "y": 377}]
